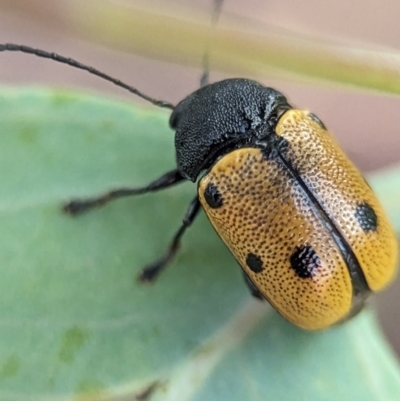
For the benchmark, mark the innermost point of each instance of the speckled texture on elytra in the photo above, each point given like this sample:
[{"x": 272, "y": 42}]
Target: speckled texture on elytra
[
  {"x": 264, "y": 212},
  {"x": 341, "y": 190}
]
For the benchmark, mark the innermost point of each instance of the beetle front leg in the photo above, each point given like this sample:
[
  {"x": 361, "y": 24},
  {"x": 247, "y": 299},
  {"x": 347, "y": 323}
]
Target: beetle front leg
[{"x": 78, "y": 206}]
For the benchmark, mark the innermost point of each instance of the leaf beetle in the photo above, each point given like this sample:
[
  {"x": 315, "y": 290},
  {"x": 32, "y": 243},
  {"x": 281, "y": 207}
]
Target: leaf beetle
[{"x": 302, "y": 222}]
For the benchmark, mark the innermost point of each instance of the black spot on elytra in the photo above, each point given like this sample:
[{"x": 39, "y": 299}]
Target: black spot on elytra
[
  {"x": 255, "y": 263},
  {"x": 305, "y": 261},
  {"x": 317, "y": 120},
  {"x": 366, "y": 217},
  {"x": 212, "y": 196}
]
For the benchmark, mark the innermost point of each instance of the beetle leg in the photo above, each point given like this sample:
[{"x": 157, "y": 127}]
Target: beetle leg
[
  {"x": 150, "y": 272},
  {"x": 77, "y": 206},
  {"x": 253, "y": 289}
]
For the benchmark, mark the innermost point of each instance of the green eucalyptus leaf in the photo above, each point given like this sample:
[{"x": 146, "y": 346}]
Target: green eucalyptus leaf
[{"x": 74, "y": 322}]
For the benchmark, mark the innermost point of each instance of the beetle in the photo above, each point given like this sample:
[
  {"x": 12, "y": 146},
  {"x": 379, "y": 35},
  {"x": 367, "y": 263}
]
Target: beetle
[{"x": 302, "y": 222}]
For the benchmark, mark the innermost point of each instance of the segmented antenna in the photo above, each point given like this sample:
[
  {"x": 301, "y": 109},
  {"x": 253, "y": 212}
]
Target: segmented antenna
[
  {"x": 205, "y": 77},
  {"x": 76, "y": 64}
]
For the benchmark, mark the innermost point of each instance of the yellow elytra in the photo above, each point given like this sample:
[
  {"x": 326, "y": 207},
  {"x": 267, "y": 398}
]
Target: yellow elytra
[{"x": 295, "y": 220}]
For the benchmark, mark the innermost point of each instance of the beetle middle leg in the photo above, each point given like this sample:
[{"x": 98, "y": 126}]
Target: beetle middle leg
[
  {"x": 78, "y": 206},
  {"x": 253, "y": 289},
  {"x": 151, "y": 272}
]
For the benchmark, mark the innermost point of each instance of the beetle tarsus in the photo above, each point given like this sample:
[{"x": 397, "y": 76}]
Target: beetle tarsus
[
  {"x": 151, "y": 272},
  {"x": 77, "y": 207}
]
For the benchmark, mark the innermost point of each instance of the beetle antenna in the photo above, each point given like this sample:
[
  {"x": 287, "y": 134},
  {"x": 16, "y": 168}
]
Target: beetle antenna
[
  {"x": 76, "y": 64},
  {"x": 205, "y": 77}
]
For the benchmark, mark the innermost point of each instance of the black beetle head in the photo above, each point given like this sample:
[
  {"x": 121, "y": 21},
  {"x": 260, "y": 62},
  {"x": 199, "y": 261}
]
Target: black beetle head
[{"x": 220, "y": 117}]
